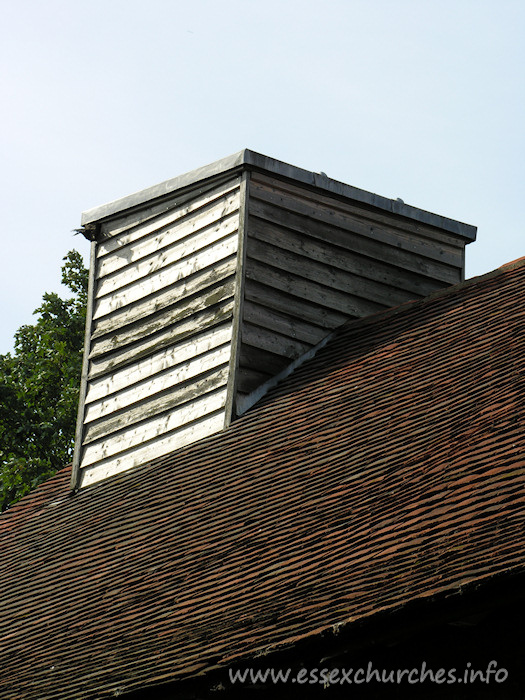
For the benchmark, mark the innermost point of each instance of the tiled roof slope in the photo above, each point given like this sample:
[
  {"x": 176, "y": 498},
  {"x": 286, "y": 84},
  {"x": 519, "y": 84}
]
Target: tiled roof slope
[{"x": 387, "y": 468}]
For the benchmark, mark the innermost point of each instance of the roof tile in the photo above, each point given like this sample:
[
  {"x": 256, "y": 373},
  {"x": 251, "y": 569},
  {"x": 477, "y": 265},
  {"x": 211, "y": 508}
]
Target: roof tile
[{"x": 387, "y": 468}]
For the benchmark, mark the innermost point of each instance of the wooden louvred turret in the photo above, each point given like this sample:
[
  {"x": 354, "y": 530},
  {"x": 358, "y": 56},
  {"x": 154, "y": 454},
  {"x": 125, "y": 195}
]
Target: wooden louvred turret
[{"x": 205, "y": 287}]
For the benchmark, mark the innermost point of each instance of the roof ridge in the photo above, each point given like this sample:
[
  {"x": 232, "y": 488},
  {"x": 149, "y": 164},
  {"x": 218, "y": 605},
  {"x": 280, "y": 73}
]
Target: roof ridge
[
  {"x": 261, "y": 391},
  {"x": 440, "y": 293}
]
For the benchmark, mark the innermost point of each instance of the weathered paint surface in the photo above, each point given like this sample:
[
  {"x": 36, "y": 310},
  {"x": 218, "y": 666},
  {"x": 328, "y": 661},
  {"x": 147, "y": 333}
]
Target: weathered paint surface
[
  {"x": 160, "y": 341},
  {"x": 200, "y": 297}
]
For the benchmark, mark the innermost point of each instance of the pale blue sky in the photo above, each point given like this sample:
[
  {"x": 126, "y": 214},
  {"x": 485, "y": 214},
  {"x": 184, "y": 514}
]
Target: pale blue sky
[{"x": 423, "y": 100}]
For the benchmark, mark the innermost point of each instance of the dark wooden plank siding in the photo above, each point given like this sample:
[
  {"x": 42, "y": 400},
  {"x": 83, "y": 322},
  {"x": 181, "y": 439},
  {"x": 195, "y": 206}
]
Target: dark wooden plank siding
[
  {"x": 306, "y": 290},
  {"x": 315, "y": 261},
  {"x": 332, "y": 209}
]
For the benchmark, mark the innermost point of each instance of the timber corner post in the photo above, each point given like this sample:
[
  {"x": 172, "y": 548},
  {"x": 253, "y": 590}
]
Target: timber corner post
[
  {"x": 238, "y": 305},
  {"x": 77, "y": 453}
]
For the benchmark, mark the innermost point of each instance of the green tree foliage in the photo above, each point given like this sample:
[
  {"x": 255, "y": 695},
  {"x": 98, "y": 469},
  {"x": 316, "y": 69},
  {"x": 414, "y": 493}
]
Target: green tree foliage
[{"x": 39, "y": 387}]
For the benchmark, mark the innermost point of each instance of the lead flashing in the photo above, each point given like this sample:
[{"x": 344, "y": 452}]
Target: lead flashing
[{"x": 251, "y": 160}]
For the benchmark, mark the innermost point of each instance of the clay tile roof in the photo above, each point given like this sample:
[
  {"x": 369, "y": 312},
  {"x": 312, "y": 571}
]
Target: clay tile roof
[{"x": 386, "y": 469}]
